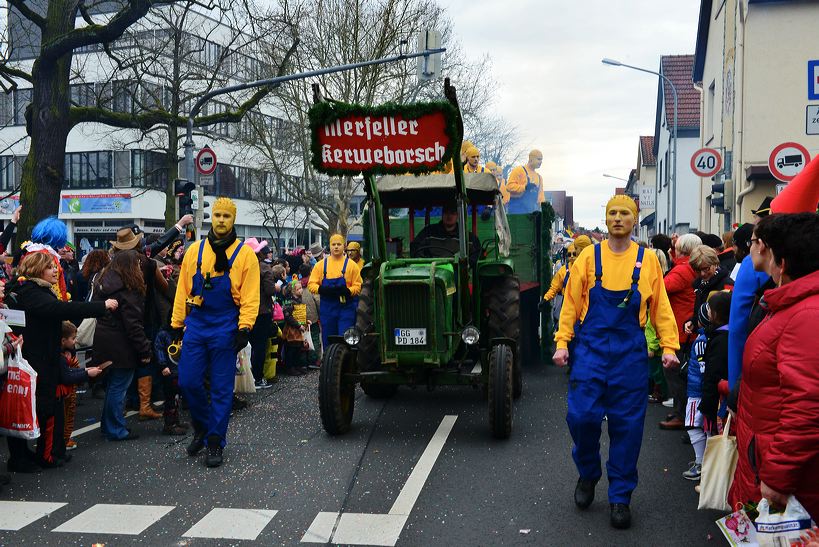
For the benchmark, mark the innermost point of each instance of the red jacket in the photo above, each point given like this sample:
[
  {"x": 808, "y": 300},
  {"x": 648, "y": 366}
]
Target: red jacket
[
  {"x": 778, "y": 411},
  {"x": 679, "y": 284}
]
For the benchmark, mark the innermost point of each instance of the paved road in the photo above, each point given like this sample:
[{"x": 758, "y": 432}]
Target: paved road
[{"x": 285, "y": 480}]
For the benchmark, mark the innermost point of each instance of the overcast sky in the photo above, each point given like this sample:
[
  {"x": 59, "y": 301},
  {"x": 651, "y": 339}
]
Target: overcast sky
[{"x": 584, "y": 116}]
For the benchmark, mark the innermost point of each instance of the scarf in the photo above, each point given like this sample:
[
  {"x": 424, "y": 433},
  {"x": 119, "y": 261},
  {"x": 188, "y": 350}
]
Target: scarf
[{"x": 220, "y": 247}]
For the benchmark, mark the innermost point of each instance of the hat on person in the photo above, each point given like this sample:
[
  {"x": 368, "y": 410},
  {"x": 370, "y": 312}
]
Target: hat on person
[
  {"x": 175, "y": 244},
  {"x": 703, "y": 317},
  {"x": 316, "y": 249},
  {"x": 126, "y": 239},
  {"x": 581, "y": 242},
  {"x": 266, "y": 250},
  {"x": 255, "y": 244},
  {"x": 764, "y": 207},
  {"x": 712, "y": 240},
  {"x": 353, "y": 246},
  {"x": 472, "y": 151},
  {"x": 490, "y": 165},
  {"x": 742, "y": 236},
  {"x": 623, "y": 201},
  {"x": 337, "y": 238}
]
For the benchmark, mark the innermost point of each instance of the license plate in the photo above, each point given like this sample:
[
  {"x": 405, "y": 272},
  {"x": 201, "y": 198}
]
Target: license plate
[{"x": 410, "y": 337}]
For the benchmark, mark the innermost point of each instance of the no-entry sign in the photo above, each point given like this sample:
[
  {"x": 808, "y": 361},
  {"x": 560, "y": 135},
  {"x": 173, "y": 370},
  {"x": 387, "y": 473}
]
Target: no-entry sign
[
  {"x": 206, "y": 161},
  {"x": 787, "y": 160},
  {"x": 706, "y": 162}
]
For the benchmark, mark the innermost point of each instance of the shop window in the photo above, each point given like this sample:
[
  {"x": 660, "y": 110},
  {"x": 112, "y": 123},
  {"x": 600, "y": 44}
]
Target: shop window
[{"x": 88, "y": 170}]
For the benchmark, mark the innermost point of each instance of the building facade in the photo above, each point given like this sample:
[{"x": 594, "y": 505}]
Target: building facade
[{"x": 753, "y": 65}]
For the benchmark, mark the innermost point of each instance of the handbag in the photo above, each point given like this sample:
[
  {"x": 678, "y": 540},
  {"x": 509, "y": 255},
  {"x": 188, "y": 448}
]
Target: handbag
[
  {"x": 85, "y": 332},
  {"x": 18, "y": 405},
  {"x": 718, "y": 465},
  {"x": 244, "y": 382},
  {"x": 278, "y": 312}
]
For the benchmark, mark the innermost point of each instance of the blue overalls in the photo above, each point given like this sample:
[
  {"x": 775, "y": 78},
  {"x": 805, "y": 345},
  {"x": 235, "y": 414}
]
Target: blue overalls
[
  {"x": 335, "y": 316},
  {"x": 609, "y": 377},
  {"x": 526, "y": 202},
  {"x": 207, "y": 350}
]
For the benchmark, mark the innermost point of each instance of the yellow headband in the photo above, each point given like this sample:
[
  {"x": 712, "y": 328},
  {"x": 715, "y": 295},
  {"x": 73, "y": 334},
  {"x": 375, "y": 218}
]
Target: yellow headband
[
  {"x": 336, "y": 238},
  {"x": 581, "y": 242},
  {"x": 226, "y": 205},
  {"x": 354, "y": 246},
  {"x": 622, "y": 200}
]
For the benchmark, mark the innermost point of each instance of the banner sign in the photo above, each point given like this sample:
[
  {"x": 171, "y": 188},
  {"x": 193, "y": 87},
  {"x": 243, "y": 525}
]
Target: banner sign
[
  {"x": 95, "y": 203},
  {"x": 352, "y": 139},
  {"x": 9, "y": 204}
]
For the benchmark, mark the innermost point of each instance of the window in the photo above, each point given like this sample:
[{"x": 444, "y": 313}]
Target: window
[
  {"x": 660, "y": 176},
  {"x": 667, "y": 170},
  {"x": 709, "y": 111},
  {"x": 149, "y": 169},
  {"x": 123, "y": 98},
  {"x": 7, "y": 173},
  {"x": 22, "y": 98},
  {"x": 88, "y": 170},
  {"x": 83, "y": 95}
]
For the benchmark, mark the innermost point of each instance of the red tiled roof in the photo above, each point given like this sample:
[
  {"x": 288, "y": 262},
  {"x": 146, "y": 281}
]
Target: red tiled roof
[
  {"x": 647, "y": 151},
  {"x": 679, "y": 69}
]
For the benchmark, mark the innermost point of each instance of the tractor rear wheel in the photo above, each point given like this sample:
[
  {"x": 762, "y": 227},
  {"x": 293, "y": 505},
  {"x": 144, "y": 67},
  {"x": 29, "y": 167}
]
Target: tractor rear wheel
[
  {"x": 503, "y": 307},
  {"x": 500, "y": 391},
  {"x": 336, "y": 394}
]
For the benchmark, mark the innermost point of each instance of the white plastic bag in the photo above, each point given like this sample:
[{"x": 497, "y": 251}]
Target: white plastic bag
[
  {"x": 308, "y": 337},
  {"x": 780, "y": 529},
  {"x": 85, "y": 332},
  {"x": 718, "y": 465},
  {"x": 244, "y": 382}
]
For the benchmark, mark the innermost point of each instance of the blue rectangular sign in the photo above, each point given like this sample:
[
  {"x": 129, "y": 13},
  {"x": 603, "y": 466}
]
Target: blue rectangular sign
[{"x": 813, "y": 80}]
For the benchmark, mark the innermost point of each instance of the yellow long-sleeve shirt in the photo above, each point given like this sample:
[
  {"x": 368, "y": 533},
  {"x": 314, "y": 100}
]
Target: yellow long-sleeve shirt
[
  {"x": 617, "y": 271},
  {"x": 244, "y": 282},
  {"x": 352, "y": 276},
  {"x": 517, "y": 181},
  {"x": 557, "y": 284}
]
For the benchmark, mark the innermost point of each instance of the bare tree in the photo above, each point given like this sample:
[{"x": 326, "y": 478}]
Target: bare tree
[
  {"x": 339, "y": 32},
  {"x": 57, "y": 39}
]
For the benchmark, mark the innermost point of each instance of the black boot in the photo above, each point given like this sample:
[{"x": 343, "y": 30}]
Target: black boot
[
  {"x": 214, "y": 457},
  {"x": 584, "y": 493},
  {"x": 172, "y": 424},
  {"x": 198, "y": 442},
  {"x": 620, "y": 516}
]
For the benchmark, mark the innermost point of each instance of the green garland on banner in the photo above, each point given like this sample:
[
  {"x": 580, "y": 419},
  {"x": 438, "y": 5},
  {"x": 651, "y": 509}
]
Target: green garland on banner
[{"x": 324, "y": 113}]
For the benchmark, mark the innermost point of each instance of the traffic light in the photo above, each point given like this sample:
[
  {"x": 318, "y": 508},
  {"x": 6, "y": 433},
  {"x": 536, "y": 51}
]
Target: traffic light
[
  {"x": 184, "y": 202},
  {"x": 718, "y": 195}
]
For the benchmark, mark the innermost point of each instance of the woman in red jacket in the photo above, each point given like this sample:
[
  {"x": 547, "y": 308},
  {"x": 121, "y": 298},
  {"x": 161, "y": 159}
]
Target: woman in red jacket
[
  {"x": 679, "y": 284},
  {"x": 778, "y": 410}
]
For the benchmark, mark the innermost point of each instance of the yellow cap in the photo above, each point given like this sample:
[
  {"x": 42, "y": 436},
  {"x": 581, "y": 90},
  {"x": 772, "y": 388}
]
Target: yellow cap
[
  {"x": 353, "y": 246},
  {"x": 581, "y": 242},
  {"x": 336, "y": 238},
  {"x": 466, "y": 145},
  {"x": 622, "y": 200},
  {"x": 472, "y": 151},
  {"x": 224, "y": 204},
  {"x": 490, "y": 165}
]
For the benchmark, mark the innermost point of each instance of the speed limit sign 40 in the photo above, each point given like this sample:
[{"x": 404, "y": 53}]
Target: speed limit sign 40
[{"x": 706, "y": 162}]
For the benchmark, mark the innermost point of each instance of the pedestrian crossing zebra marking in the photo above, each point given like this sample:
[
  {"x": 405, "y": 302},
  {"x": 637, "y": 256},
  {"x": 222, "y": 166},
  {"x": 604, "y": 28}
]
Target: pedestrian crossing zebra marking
[
  {"x": 16, "y": 515},
  {"x": 103, "y": 518},
  {"x": 225, "y": 523}
]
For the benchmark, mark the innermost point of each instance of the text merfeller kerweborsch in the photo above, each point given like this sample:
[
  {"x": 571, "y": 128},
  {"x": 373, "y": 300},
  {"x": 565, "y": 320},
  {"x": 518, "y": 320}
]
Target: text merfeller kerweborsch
[{"x": 360, "y": 143}]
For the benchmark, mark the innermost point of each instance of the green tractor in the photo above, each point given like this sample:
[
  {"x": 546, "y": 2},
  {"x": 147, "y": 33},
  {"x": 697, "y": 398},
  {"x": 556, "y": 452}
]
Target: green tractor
[{"x": 434, "y": 321}]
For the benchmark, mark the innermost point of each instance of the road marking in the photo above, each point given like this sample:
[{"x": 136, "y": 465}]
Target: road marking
[
  {"x": 96, "y": 425},
  {"x": 106, "y": 518},
  {"x": 375, "y": 529},
  {"x": 15, "y": 515},
  {"x": 224, "y": 523}
]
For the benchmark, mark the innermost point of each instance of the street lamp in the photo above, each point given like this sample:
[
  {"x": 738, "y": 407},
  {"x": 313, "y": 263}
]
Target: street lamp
[
  {"x": 613, "y": 177},
  {"x": 613, "y": 62}
]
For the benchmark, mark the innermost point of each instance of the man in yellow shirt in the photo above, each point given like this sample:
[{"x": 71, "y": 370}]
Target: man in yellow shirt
[
  {"x": 561, "y": 278},
  {"x": 473, "y": 159},
  {"x": 525, "y": 185},
  {"x": 338, "y": 280},
  {"x": 217, "y": 301},
  {"x": 354, "y": 252},
  {"x": 613, "y": 288}
]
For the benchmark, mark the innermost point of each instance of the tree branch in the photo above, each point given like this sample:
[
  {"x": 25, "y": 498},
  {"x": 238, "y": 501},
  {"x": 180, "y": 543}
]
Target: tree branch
[
  {"x": 28, "y": 13},
  {"x": 7, "y": 70}
]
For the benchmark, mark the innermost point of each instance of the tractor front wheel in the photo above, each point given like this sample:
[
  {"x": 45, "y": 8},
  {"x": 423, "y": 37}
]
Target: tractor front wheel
[
  {"x": 336, "y": 394},
  {"x": 500, "y": 390}
]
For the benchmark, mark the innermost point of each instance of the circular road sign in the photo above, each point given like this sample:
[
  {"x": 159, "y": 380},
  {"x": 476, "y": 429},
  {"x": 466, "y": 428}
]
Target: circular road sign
[
  {"x": 206, "y": 161},
  {"x": 787, "y": 160},
  {"x": 706, "y": 162}
]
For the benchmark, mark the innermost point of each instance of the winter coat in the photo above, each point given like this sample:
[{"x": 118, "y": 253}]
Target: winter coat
[
  {"x": 716, "y": 369},
  {"x": 120, "y": 336},
  {"x": 42, "y": 334},
  {"x": 778, "y": 413},
  {"x": 696, "y": 365},
  {"x": 727, "y": 260},
  {"x": 267, "y": 288},
  {"x": 311, "y": 302},
  {"x": 703, "y": 289},
  {"x": 679, "y": 284}
]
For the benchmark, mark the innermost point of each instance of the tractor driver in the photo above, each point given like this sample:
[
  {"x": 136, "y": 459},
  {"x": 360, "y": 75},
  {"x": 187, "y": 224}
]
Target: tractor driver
[{"x": 436, "y": 239}]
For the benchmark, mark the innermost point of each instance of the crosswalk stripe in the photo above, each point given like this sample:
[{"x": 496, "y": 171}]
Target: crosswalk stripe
[
  {"x": 15, "y": 515},
  {"x": 106, "y": 518},
  {"x": 96, "y": 425},
  {"x": 227, "y": 523}
]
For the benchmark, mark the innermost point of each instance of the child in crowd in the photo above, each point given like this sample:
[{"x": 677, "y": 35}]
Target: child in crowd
[
  {"x": 715, "y": 379},
  {"x": 169, "y": 370},
  {"x": 295, "y": 319},
  {"x": 311, "y": 301},
  {"x": 693, "y": 417},
  {"x": 655, "y": 365},
  {"x": 70, "y": 375}
]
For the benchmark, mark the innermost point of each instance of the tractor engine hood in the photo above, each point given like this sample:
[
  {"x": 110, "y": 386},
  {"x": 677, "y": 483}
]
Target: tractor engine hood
[{"x": 419, "y": 272}]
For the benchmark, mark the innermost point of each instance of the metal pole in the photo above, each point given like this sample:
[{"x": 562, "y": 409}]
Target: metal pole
[
  {"x": 276, "y": 82},
  {"x": 673, "y": 211}
]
